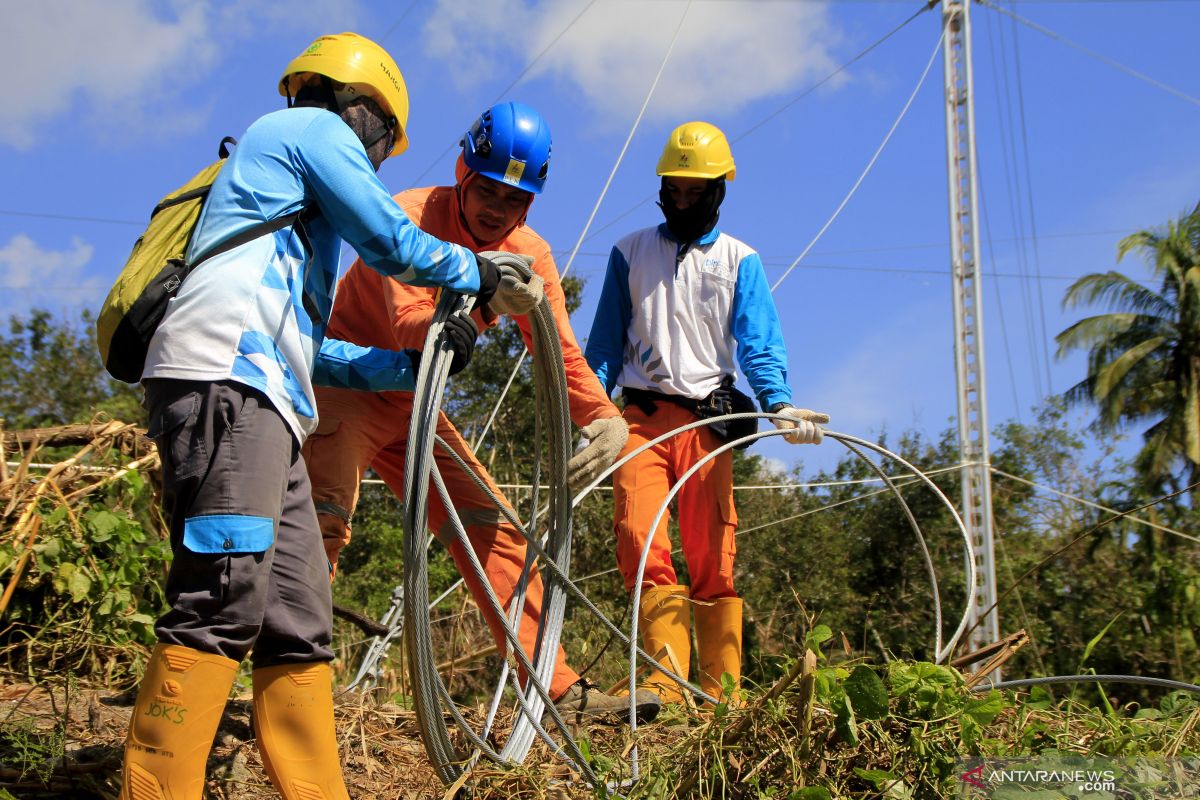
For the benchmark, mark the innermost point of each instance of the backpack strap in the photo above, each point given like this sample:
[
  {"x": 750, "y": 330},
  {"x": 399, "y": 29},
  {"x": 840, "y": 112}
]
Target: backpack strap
[
  {"x": 302, "y": 216},
  {"x": 250, "y": 234}
]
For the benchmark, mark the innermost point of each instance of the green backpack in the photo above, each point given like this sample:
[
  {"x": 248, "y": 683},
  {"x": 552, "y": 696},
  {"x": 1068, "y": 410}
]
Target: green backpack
[{"x": 157, "y": 268}]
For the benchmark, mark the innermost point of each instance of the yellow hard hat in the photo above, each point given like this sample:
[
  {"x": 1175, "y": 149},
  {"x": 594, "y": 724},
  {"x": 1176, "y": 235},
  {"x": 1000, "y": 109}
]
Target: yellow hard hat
[
  {"x": 350, "y": 58},
  {"x": 697, "y": 150}
]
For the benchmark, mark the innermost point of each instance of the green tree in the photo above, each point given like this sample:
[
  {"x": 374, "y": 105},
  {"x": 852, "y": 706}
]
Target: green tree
[
  {"x": 1144, "y": 355},
  {"x": 50, "y": 374}
]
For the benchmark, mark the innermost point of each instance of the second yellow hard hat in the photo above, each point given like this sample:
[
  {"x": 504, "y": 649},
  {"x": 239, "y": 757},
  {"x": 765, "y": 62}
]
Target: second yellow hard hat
[{"x": 697, "y": 150}]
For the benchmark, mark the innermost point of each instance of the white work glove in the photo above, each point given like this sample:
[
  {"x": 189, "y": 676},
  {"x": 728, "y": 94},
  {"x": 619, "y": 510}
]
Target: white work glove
[
  {"x": 514, "y": 295},
  {"x": 801, "y": 424},
  {"x": 605, "y": 438}
]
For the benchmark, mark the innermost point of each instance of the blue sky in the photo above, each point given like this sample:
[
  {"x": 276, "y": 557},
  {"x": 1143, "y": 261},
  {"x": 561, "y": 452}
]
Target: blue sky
[{"x": 114, "y": 103}]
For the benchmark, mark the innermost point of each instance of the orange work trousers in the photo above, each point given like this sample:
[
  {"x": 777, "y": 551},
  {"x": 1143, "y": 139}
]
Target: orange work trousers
[
  {"x": 707, "y": 518},
  {"x": 362, "y": 429}
]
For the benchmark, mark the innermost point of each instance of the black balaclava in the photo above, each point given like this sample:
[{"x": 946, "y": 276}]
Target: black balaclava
[
  {"x": 363, "y": 114},
  {"x": 689, "y": 224}
]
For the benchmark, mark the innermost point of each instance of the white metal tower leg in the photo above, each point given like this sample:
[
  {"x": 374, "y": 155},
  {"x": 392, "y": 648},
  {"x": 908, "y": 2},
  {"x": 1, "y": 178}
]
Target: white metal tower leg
[{"x": 968, "y": 315}]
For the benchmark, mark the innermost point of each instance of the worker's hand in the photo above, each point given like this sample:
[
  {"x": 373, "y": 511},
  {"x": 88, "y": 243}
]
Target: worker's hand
[
  {"x": 460, "y": 330},
  {"x": 514, "y": 295},
  {"x": 489, "y": 279},
  {"x": 801, "y": 424},
  {"x": 605, "y": 438}
]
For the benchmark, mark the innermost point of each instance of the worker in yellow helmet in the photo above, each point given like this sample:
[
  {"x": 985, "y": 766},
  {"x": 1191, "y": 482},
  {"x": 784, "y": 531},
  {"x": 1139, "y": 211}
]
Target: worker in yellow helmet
[
  {"x": 229, "y": 378},
  {"x": 683, "y": 306}
]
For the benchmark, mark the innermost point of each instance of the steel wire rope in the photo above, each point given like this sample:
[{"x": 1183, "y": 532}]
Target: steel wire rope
[
  {"x": 941, "y": 653},
  {"x": 871, "y": 163},
  {"x": 516, "y": 746},
  {"x": 1112, "y": 62},
  {"x": 1098, "y": 506},
  {"x": 1103, "y": 678},
  {"x": 599, "y": 200},
  {"x": 915, "y": 474},
  {"x": 1087, "y": 531},
  {"x": 379, "y": 644},
  {"x": 429, "y": 689},
  {"x": 572, "y": 584}
]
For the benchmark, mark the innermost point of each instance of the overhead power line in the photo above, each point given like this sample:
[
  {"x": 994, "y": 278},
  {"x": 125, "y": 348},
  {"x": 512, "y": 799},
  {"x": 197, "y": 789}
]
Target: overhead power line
[
  {"x": 500, "y": 95},
  {"x": 792, "y": 101},
  {"x": 879, "y": 151},
  {"x": 1112, "y": 62}
]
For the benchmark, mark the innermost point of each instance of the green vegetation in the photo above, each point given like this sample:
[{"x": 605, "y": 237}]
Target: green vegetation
[{"x": 1102, "y": 573}]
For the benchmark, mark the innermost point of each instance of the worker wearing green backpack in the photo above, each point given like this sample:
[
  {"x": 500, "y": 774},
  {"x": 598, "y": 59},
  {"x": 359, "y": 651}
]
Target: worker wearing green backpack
[{"x": 229, "y": 374}]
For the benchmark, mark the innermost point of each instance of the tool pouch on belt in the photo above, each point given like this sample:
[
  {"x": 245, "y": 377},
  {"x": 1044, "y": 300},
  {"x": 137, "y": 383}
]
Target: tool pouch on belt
[{"x": 725, "y": 399}]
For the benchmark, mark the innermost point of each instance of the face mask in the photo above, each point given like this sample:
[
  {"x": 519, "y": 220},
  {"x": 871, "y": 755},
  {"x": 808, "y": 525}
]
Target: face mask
[
  {"x": 366, "y": 118},
  {"x": 689, "y": 224}
]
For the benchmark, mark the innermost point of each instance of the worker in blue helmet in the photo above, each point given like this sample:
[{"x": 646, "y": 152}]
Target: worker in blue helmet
[{"x": 503, "y": 165}]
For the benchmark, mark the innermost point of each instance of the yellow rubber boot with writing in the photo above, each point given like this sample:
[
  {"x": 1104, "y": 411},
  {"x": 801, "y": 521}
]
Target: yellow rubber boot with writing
[
  {"x": 174, "y": 720},
  {"x": 665, "y": 622},
  {"x": 293, "y": 721},
  {"x": 719, "y": 643}
]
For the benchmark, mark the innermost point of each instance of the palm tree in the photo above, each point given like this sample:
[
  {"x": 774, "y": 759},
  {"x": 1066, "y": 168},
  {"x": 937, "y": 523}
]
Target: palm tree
[{"x": 1144, "y": 356}]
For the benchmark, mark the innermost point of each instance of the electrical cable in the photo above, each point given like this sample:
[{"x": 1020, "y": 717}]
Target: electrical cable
[
  {"x": 1112, "y": 62},
  {"x": 870, "y": 164},
  {"x": 1029, "y": 194},
  {"x": 1008, "y": 159}
]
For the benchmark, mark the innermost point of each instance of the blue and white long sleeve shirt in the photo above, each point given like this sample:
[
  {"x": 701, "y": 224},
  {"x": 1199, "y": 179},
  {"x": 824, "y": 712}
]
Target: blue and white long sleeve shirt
[
  {"x": 676, "y": 320},
  {"x": 242, "y": 314}
]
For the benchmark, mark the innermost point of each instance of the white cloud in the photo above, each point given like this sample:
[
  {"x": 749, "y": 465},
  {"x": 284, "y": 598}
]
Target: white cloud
[
  {"x": 774, "y": 466},
  {"x": 122, "y": 62},
  {"x": 726, "y": 55},
  {"x": 31, "y": 275}
]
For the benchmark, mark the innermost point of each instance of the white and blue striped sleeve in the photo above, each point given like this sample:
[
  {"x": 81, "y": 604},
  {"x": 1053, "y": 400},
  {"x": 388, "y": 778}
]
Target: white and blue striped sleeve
[
  {"x": 761, "y": 352},
  {"x": 605, "y": 351}
]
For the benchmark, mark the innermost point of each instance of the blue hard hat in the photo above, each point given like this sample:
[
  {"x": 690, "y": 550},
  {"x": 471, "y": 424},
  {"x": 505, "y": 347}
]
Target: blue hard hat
[{"x": 510, "y": 143}]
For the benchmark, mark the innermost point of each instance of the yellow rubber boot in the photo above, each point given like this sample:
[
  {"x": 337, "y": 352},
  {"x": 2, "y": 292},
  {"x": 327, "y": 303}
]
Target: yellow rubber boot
[
  {"x": 293, "y": 721},
  {"x": 719, "y": 643},
  {"x": 173, "y": 723},
  {"x": 665, "y": 622}
]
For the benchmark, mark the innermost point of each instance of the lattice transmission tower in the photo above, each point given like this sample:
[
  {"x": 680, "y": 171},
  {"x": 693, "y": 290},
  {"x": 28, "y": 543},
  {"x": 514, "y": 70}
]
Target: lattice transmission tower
[{"x": 968, "y": 316}]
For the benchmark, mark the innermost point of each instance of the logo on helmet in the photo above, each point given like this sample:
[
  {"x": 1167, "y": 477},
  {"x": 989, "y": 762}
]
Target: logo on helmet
[
  {"x": 390, "y": 76},
  {"x": 514, "y": 172}
]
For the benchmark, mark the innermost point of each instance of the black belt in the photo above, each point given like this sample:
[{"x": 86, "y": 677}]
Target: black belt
[{"x": 647, "y": 401}]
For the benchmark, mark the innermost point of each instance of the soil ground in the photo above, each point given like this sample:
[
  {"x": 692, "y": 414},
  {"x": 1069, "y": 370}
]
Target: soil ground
[{"x": 70, "y": 740}]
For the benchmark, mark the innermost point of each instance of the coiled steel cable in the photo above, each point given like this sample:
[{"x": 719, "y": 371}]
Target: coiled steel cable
[{"x": 430, "y": 692}]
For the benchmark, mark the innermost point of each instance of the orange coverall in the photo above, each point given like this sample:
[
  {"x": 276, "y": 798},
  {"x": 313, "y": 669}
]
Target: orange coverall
[{"x": 358, "y": 430}]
